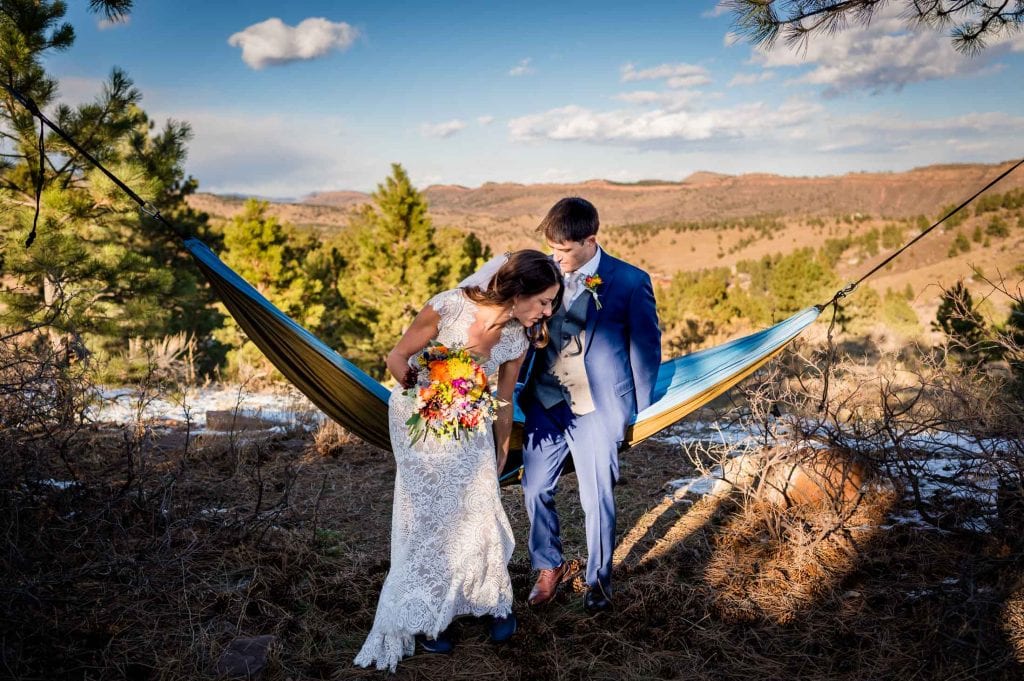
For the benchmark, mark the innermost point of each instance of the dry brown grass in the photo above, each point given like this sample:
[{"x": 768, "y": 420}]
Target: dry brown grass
[
  {"x": 330, "y": 439},
  {"x": 155, "y": 583},
  {"x": 1013, "y": 623}
]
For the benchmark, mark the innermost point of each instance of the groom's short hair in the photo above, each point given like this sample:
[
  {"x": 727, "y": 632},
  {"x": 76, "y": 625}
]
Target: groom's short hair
[{"x": 571, "y": 219}]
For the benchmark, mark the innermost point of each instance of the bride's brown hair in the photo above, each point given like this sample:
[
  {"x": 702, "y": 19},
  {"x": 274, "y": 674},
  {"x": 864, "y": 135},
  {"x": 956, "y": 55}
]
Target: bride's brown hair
[{"x": 525, "y": 273}]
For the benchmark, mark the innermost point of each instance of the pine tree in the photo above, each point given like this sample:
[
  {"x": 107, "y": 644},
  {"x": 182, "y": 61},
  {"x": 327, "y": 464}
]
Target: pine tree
[
  {"x": 973, "y": 23},
  {"x": 898, "y": 315},
  {"x": 1015, "y": 346},
  {"x": 395, "y": 266},
  {"x": 98, "y": 272},
  {"x": 799, "y": 279},
  {"x": 463, "y": 252},
  {"x": 963, "y": 326},
  {"x": 275, "y": 258}
]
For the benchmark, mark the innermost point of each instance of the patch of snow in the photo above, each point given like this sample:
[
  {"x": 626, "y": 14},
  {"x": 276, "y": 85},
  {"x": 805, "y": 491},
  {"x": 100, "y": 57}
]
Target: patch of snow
[
  {"x": 702, "y": 484},
  {"x": 947, "y": 465},
  {"x": 59, "y": 484},
  {"x": 290, "y": 409}
]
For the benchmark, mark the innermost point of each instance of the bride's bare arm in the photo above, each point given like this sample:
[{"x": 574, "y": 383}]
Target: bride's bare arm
[
  {"x": 507, "y": 375},
  {"x": 422, "y": 329}
]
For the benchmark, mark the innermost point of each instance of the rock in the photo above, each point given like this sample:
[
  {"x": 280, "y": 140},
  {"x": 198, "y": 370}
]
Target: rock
[
  {"x": 245, "y": 658},
  {"x": 790, "y": 478},
  {"x": 234, "y": 421}
]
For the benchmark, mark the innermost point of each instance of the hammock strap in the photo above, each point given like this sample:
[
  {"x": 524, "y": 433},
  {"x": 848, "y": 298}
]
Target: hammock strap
[
  {"x": 830, "y": 355},
  {"x": 39, "y": 179},
  {"x": 146, "y": 207},
  {"x": 849, "y": 288}
]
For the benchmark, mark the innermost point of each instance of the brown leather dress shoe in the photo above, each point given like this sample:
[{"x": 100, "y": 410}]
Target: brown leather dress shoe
[{"x": 547, "y": 585}]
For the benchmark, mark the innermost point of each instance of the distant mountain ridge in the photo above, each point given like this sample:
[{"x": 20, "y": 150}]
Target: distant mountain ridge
[
  {"x": 707, "y": 195},
  {"x": 749, "y": 216}
]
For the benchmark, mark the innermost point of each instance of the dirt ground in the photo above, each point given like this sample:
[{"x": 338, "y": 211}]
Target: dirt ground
[{"x": 150, "y": 570}]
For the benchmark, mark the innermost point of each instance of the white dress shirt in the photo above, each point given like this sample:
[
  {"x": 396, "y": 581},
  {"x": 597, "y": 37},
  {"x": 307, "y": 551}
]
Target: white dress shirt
[{"x": 574, "y": 280}]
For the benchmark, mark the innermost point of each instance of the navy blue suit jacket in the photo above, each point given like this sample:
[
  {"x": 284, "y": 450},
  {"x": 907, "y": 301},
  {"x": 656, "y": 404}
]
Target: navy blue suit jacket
[{"x": 622, "y": 350}]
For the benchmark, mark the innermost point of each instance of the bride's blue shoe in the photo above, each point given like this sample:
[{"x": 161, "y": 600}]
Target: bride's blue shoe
[
  {"x": 502, "y": 628},
  {"x": 442, "y": 644}
]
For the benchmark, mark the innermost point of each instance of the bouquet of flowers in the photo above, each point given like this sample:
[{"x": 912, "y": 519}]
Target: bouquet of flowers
[{"x": 452, "y": 395}]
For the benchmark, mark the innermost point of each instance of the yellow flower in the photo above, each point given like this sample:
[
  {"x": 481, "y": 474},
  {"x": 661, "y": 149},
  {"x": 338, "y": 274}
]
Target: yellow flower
[{"x": 458, "y": 368}]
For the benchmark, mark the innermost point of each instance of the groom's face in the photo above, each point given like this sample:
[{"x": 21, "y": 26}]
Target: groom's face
[{"x": 572, "y": 255}]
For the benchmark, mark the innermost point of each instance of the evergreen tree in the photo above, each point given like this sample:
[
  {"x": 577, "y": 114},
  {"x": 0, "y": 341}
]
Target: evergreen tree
[
  {"x": 799, "y": 279},
  {"x": 1015, "y": 346},
  {"x": 97, "y": 273},
  {"x": 395, "y": 267},
  {"x": 960, "y": 245},
  {"x": 859, "y": 312},
  {"x": 275, "y": 258},
  {"x": 463, "y": 252},
  {"x": 963, "y": 326},
  {"x": 973, "y": 22},
  {"x": 898, "y": 315}
]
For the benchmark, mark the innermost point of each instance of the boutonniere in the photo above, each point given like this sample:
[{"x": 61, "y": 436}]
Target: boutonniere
[{"x": 591, "y": 283}]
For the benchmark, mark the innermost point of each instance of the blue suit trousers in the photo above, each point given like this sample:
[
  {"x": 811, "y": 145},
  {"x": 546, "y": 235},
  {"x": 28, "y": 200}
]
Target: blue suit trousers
[{"x": 551, "y": 436}]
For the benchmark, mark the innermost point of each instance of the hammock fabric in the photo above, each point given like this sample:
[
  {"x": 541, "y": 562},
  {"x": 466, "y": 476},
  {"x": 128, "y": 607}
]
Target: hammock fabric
[{"x": 360, "y": 404}]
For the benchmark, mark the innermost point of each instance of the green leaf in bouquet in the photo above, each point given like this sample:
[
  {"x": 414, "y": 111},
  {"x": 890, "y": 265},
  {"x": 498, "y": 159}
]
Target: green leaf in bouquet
[{"x": 417, "y": 428}]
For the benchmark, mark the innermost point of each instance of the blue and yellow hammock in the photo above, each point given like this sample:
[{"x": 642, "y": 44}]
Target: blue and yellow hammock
[{"x": 359, "y": 403}]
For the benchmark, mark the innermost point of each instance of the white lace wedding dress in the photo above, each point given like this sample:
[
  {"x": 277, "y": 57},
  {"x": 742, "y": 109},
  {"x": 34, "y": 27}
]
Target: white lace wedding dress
[{"x": 450, "y": 537}]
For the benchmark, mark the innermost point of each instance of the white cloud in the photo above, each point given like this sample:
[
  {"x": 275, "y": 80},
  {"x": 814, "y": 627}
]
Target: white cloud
[
  {"x": 751, "y": 78},
  {"x": 116, "y": 22},
  {"x": 719, "y": 9},
  {"x": 574, "y": 123},
  {"x": 72, "y": 90},
  {"x": 641, "y": 97},
  {"x": 680, "y": 82},
  {"x": 485, "y": 120},
  {"x": 673, "y": 100},
  {"x": 442, "y": 130},
  {"x": 677, "y": 75},
  {"x": 273, "y": 42},
  {"x": 799, "y": 136},
  {"x": 884, "y": 55},
  {"x": 882, "y": 133},
  {"x": 523, "y": 68},
  {"x": 558, "y": 175},
  {"x": 425, "y": 181},
  {"x": 284, "y": 156}
]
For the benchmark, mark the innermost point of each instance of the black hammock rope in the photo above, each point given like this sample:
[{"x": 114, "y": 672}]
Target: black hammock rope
[
  {"x": 39, "y": 178},
  {"x": 849, "y": 288},
  {"x": 151, "y": 210}
]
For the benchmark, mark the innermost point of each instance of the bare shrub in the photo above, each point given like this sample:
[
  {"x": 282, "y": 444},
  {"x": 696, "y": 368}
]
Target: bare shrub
[
  {"x": 45, "y": 393},
  {"x": 330, "y": 439}
]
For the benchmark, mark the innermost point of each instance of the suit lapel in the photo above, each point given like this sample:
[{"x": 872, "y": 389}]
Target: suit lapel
[{"x": 606, "y": 270}]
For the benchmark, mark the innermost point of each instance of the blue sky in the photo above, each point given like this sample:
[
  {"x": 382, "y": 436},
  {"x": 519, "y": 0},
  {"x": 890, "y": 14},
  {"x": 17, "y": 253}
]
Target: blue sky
[{"x": 289, "y": 98}]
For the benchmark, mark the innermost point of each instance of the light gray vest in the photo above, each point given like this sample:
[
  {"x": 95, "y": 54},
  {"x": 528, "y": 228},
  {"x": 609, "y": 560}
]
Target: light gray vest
[{"x": 565, "y": 375}]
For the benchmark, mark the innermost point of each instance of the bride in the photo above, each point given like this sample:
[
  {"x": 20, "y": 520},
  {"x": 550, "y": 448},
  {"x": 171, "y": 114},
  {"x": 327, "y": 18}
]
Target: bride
[{"x": 450, "y": 538}]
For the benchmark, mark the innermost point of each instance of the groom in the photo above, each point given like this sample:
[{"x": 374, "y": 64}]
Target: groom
[{"x": 581, "y": 391}]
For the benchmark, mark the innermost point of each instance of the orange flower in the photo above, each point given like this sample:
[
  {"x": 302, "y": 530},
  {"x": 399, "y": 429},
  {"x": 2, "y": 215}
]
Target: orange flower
[{"x": 439, "y": 371}]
